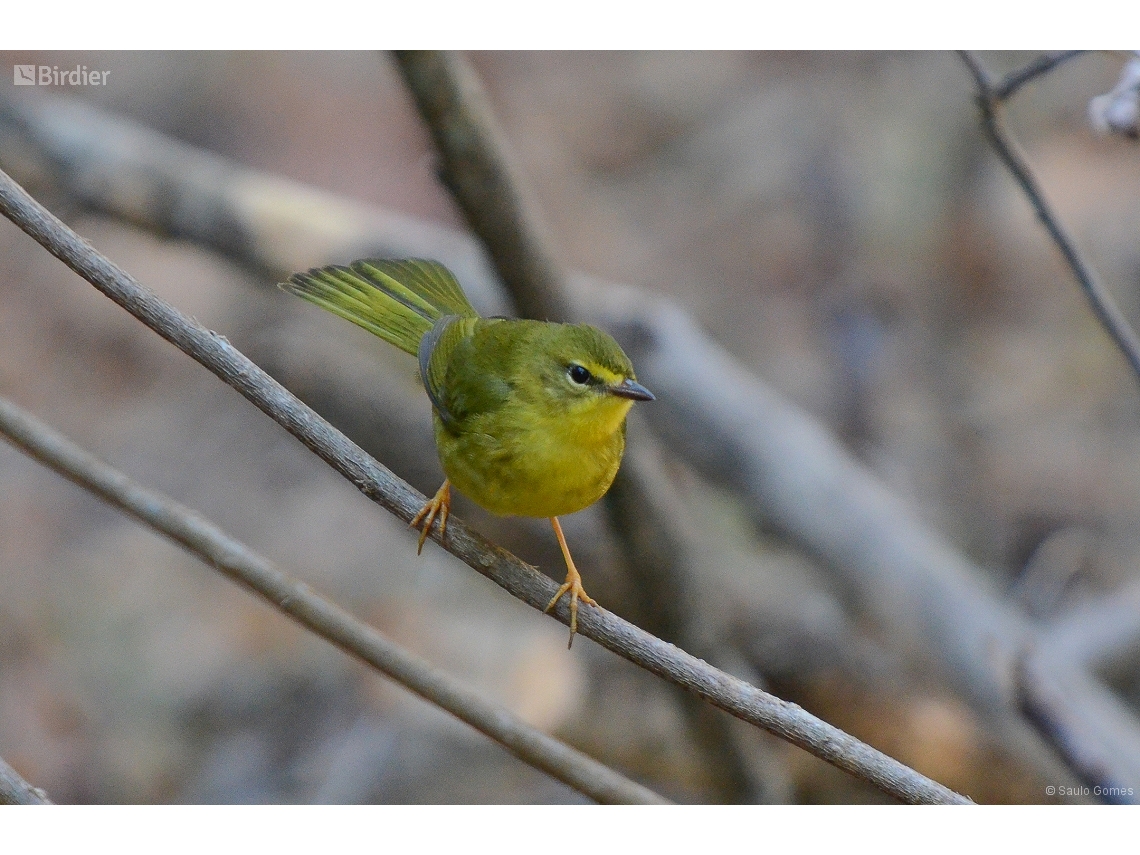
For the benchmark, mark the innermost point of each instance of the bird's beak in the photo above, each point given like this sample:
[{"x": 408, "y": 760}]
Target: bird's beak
[{"x": 631, "y": 389}]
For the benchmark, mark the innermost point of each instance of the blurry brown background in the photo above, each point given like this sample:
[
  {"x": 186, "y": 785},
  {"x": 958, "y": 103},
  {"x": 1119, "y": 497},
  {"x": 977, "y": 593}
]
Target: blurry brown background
[{"x": 835, "y": 220}]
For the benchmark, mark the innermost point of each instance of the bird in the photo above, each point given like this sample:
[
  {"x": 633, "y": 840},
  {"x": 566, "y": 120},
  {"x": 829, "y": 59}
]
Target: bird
[{"x": 529, "y": 416}]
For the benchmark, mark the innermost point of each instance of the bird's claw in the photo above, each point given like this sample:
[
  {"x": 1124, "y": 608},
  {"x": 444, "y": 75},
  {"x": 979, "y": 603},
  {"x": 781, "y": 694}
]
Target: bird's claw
[
  {"x": 438, "y": 506},
  {"x": 573, "y": 585}
]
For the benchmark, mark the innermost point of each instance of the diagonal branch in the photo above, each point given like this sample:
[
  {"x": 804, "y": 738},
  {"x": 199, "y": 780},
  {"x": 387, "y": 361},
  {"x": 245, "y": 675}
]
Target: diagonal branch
[
  {"x": 14, "y": 790},
  {"x": 990, "y": 97},
  {"x": 1063, "y": 690},
  {"x": 246, "y": 567},
  {"x": 211, "y": 350}
]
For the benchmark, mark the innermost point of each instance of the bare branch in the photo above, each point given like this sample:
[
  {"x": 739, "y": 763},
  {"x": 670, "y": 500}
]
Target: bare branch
[
  {"x": 200, "y": 197},
  {"x": 1055, "y": 677},
  {"x": 246, "y": 567},
  {"x": 1084, "y": 720},
  {"x": 1104, "y": 307},
  {"x": 785, "y": 720},
  {"x": 1012, "y": 82},
  {"x": 14, "y": 790}
]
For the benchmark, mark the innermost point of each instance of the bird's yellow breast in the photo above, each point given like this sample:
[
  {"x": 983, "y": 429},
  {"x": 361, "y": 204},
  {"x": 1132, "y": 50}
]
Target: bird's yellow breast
[{"x": 536, "y": 461}]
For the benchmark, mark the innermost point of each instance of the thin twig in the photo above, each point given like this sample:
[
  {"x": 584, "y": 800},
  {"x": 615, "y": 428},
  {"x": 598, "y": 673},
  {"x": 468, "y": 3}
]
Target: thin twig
[
  {"x": 14, "y": 790},
  {"x": 1103, "y": 305},
  {"x": 246, "y": 567},
  {"x": 211, "y": 350},
  {"x": 1045, "y": 63},
  {"x": 476, "y": 165}
]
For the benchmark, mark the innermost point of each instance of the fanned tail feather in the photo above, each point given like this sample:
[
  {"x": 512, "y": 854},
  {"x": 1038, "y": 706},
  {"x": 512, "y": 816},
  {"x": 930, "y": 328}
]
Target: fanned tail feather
[{"x": 398, "y": 300}]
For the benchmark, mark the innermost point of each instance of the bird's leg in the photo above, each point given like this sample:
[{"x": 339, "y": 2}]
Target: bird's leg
[
  {"x": 573, "y": 583},
  {"x": 439, "y": 505}
]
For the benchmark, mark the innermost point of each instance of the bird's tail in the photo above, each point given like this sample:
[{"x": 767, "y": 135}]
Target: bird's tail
[{"x": 398, "y": 300}]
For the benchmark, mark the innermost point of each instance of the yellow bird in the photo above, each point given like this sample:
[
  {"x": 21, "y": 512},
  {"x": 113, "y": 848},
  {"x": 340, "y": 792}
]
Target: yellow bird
[{"x": 529, "y": 415}]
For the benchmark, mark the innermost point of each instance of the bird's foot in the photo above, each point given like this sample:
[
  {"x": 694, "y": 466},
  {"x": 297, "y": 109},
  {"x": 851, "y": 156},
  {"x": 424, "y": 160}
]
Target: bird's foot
[
  {"x": 572, "y": 585},
  {"x": 438, "y": 507}
]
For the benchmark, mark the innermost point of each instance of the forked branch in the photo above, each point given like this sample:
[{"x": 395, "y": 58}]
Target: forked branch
[{"x": 990, "y": 97}]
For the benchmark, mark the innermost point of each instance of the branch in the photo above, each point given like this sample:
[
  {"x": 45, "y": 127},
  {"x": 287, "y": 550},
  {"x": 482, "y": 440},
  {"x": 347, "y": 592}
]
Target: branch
[
  {"x": 246, "y": 567},
  {"x": 483, "y": 180},
  {"x": 14, "y": 790},
  {"x": 1092, "y": 729},
  {"x": 1082, "y": 719},
  {"x": 989, "y": 97},
  {"x": 377, "y": 483},
  {"x": 476, "y": 166},
  {"x": 1045, "y": 63},
  {"x": 1055, "y": 677}
]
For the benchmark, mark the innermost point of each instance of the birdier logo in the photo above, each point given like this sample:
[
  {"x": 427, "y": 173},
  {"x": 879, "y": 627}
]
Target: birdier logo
[{"x": 53, "y": 75}]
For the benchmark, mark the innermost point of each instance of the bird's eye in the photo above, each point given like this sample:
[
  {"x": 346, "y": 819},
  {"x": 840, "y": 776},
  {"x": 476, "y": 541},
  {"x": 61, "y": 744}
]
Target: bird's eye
[{"x": 579, "y": 374}]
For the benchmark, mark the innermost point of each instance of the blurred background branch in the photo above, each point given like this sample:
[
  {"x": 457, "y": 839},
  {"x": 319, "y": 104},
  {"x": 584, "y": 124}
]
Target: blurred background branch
[
  {"x": 1066, "y": 686},
  {"x": 1007, "y": 87},
  {"x": 1061, "y": 692},
  {"x": 485, "y": 184}
]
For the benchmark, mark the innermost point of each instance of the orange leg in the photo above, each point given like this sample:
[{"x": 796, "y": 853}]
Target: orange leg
[
  {"x": 439, "y": 505},
  {"x": 573, "y": 583}
]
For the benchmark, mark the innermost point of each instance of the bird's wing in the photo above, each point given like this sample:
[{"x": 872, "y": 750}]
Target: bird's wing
[
  {"x": 464, "y": 371},
  {"x": 436, "y": 349}
]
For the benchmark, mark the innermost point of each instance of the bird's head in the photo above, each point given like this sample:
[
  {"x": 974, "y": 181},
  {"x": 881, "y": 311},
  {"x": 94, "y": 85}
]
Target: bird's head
[{"x": 588, "y": 376}]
